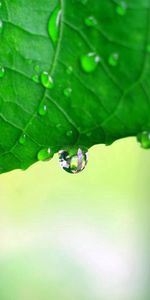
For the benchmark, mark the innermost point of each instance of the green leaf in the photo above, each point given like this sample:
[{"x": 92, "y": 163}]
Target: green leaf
[{"x": 71, "y": 79}]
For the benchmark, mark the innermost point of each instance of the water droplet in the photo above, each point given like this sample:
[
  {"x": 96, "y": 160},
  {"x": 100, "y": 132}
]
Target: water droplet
[
  {"x": 54, "y": 24},
  {"x": 90, "y": 21},
  {"x": 45, "y": 154},
  {"x": 0, "y": 4},
  {"x": 29, "y": 61},
  {"x": 47, "y": 80},
  {"x": 58, "y": 125},
  {"x": 89, "y": 62},
  {"x": 2, "y": 72},
  {"x": 42, "y": 109},
  {"x": 67, "y": 92},
  {"x": 84, "y": 2},
  {"x": 22, "y": 139},
  {"x": 144, "y": 139},
  {"x": 69, "y": 70},
  {"x": 73, "y": 161},
  {"x": 69, "y": 133},
  {"x": 121, "y": 8},
  {"x": 148, "y": 48},
  {"x": 88, "y": 134},
  {"x": 35, "y": 78},
  {"x": 1, "y": 25},
  {"x": 36, "y": 68},
  {"x": 113, "y": 59}
]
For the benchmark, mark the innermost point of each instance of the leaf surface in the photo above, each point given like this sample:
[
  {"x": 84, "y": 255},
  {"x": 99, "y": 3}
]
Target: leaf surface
[{"x": 97, "y": 53}]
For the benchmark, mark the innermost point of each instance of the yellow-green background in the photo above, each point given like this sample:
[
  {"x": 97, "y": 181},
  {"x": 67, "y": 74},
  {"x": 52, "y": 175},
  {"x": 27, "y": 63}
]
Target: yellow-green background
[{"x": 77, "y": 237}]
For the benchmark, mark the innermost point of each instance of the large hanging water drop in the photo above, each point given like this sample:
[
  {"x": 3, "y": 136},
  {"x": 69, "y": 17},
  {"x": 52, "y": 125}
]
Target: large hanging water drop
[
  {"x": 54, "y": 24},
  {"x": 73, "y": 161},
  {"x": 89, "y": 62},
  {"x": 144, "y": 139}
]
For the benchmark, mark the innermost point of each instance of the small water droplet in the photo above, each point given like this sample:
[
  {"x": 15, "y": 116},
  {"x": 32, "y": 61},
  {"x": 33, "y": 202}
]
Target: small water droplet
[
  {"x": 29, "y": 61},
  {"x": 45, "y": 154},
  {"x": 0, "y": 4},
  {"x": 67, "y": 92},
  {"x": 42, "y": 109},
  {"x": 1, "y": 25},
  {"x": 88, "y": 134},
  {"x": 148, "y": 48},
  {"x": 73, "y": 161},
  {"x": 89, "y": 62},
  {"x": 58, "y": 125},
  {"x": 22, "y": 139},
  {"x": 90, "y": 21},
  {"x": 36, "y": 68},
  {"x": 2, "y": 72},
  {"x": 69, "y": 70},
  {"x": 54, "y": 24},
  {"x": 84, "y": 2},
  {"x": 47, "y": 80},
  {"x": 35, "y": 78},
  {"x": 113, "y": 59},
  {"x": 121, "y": 8},
  {"x": 69, "y": 133},
  {"x": 144, "y": 139}
]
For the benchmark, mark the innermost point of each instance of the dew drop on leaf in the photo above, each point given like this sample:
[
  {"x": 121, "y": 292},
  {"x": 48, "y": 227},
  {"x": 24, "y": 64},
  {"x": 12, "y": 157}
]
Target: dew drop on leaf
[
  {"x": 88, "y": 134},
  {"x": 73, "y": 161},
  {"x": 84, "y": 2},
  {"x": 90, "y": 21},
  {"x": 144, "y": 139},
  {"x": 121, "y": 8},
  {"x": 29, "y": 61},
  {"x": 47, "y": 80},
  {"x": 23, "y": 139},
  {"x": 67, "y": 92},
  {"x": 69, "y": 133},
  {"x": 54, "y": 24},
  {"x": 69, "y": 70},
  {"x": 113, "y": 59},
  {"x": 42, "y": 109},
  {"x": 148, "y": 48},
  {"x": 45, "y": 154},
  {"x": 58, "y": 125},
  {"x": 2, "y": 72},
  {"x": 36, "y": 68},
  {"x": 89, "y": 62},
  {"x": 35, "y": 78},
  {"x": 1, "y": 25}
]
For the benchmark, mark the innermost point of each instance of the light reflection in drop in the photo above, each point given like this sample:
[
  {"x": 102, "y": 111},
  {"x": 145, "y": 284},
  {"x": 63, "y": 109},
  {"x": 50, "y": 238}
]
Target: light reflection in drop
[{"x": 73, "y": 162}]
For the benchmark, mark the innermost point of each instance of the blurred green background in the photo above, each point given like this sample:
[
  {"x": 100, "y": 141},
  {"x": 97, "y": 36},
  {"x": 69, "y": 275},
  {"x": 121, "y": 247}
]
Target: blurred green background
[{"x": 72, "y": 237}]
